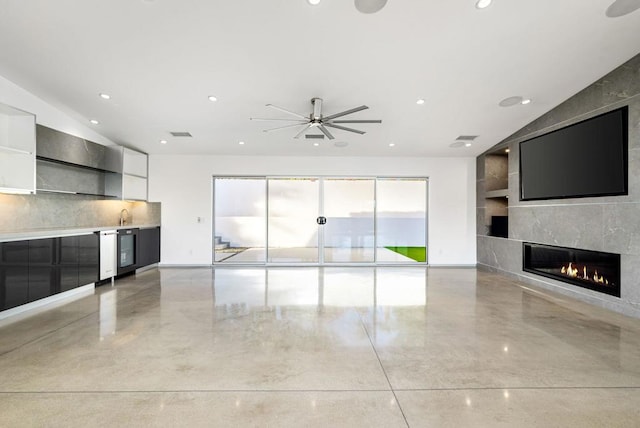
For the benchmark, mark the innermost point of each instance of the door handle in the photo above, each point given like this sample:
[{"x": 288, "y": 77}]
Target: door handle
[{"x": 321, "y": 220}]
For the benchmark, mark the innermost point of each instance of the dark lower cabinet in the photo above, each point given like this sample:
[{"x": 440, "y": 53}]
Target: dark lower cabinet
[
  {"x": 148, "y": 246},
  {"x": 68, "y": 263},
  {"x": 14, "y": 274},
  {"x": 42, "y": 268},
  {"x": 88, "y": 259},
  {"x": 34, "y": 269}
]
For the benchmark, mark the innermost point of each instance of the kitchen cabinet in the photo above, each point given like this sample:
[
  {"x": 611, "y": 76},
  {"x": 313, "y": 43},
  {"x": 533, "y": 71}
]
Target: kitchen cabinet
[
  {"x": 71, "y": 165},
  {"x": 42, "y": 268},
  {"x": 14, "y": 274},
  {"x": 37, "y": 268},
  {"x": 17, "y": 151},
  {"x": 131, "y": 184},
  {"x": 148, "y": 246},
  {"x": 88, "y": 259}
]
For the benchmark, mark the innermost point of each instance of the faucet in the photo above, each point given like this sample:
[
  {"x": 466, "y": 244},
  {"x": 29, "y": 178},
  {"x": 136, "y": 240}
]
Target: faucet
[{"x": 124, "y": 216}]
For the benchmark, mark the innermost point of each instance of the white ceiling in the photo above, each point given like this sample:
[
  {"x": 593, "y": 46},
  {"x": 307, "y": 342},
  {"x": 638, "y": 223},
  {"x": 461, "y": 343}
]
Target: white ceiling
[{"x": 160, "y": 59}]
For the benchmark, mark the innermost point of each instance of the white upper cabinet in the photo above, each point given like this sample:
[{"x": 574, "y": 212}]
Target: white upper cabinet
[
  {"x": 17, "y": 151},
  {"x": 131, "y": 184},
  {"x": 134, "y": 163}
]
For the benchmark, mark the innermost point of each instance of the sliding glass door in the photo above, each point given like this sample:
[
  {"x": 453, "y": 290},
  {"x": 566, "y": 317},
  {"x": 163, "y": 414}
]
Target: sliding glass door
[
  {"x": 401, "y": 220},
  {"x": 318, "y": 220},
  {"x": 349, "y": 209},
  {"x": 292, "y": 229}
]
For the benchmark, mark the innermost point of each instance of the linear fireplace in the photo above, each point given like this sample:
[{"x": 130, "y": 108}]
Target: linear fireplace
[{"x": 594, "y": 270}]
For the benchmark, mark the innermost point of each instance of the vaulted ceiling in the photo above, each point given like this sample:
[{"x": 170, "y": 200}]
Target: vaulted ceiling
[{"x": 160, "y": 60}]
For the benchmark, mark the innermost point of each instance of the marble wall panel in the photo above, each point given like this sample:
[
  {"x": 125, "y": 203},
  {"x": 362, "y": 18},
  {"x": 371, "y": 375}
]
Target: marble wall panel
[
  {"x": 500, "y": 253},
  {"x": 481, "y": 226},
  {"x": 622, "y": 228},
  {"x": 479, "y": 168},
  {"x": 630, "y": 279},
  {"x": 576, "y": 226}
]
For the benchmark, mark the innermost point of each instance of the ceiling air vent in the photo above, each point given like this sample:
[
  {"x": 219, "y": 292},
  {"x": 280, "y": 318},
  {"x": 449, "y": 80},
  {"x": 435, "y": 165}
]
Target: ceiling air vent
[
  {"x": 314, "y": 136},
  {"x": 466, "y": 138},
  {"x": 181, "y": 134}
]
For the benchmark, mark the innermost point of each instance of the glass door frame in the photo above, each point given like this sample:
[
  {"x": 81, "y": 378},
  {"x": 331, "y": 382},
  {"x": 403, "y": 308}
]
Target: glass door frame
[{"x": 321, "y": 258}]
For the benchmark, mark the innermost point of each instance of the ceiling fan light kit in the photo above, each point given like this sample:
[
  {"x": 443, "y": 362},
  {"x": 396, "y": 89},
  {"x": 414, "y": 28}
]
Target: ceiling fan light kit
[{"x": 317, "y": 120}]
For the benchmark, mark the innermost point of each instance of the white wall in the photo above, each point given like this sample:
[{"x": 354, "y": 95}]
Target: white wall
[
  {"x": 183, "y": 185},
  {"x": 46, "y": 114}
]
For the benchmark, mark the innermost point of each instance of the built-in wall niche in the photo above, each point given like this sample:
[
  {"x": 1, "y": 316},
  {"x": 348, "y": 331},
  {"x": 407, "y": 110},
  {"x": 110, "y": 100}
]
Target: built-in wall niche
[{"x": 496, "y": 182}]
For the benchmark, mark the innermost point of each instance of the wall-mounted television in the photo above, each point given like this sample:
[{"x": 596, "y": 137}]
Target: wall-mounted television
[{"x": 588, "y": 158}]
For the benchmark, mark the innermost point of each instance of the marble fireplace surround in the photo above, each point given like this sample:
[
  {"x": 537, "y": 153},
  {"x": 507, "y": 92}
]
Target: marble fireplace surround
[
  {"x": 594, "y": 270},
  {"x": 608, "y": 224}
]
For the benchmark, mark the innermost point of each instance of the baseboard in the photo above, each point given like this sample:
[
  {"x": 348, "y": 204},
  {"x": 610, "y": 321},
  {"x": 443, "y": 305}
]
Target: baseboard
[{"x": 29, "y": 309}]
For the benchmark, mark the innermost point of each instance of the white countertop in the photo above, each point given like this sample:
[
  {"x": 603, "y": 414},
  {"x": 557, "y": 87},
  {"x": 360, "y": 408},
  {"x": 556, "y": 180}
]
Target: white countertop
[{"x": 56, "y": 233}]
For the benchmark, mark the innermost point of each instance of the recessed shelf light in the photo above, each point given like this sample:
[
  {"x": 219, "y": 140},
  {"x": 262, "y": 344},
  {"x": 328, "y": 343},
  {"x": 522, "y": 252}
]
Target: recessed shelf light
[
  {"x": 104, "y": 96},
  {"x": 163, "y": 141},
  {"x": 525, "y": 101},
  {"x": 313, "y": 2},
  {"x": 420, "y": 102},
  {"x": 507, "y": 150},
  {"x": 212, "y": 98},
  {"x": 481, "y": 4},
  {"x": 95, "y": 122}
]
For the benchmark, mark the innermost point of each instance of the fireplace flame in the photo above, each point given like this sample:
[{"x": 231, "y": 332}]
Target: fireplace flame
[{"x": 573, "y": 272}]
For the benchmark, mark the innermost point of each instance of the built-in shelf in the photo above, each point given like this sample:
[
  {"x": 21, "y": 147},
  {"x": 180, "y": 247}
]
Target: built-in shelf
[
  {"x": 496, "y": 192},
  {"x": 500, "y": 193},
  {"x": 14, "y": 150},
  {"x": 68, "y": 192}
]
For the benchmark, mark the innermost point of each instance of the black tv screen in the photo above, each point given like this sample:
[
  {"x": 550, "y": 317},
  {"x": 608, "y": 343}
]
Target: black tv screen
[{"x": 588, "y": 158}]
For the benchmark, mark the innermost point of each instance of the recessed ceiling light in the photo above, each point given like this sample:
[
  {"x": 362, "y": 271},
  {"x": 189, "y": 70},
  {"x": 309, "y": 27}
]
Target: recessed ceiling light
[
  {"x": 525, "y": 101},
  {"x": 369, "y": 6},
  {"x": 163, "y": 141},
  {"x": 212, "y": 98},
  {"x": 392, "y": 144},
  {"x": 511, "y": 101},
  {"x": 507, "y": 150},
  {"x": 467, "y": 144},
  {"x": 316, "y": 144},
  {"x": 420, "y": 102},
  {"x": 313, "y": 2},
  {"x": 481, "y": 4},
  {"x": 105, "y": 96},
  {"x": 241, "y": 143},
  {"x": 95, "y": 122}
]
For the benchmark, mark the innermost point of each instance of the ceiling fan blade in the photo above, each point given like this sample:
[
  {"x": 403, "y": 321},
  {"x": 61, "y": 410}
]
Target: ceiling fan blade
[
  {"x": 317, "y": 108},
  {"x": 356, "y": 121},
  {"x": 284, "y": 127},
  {"x": 287, "y": 111},
  {"x": 265, "y": 119},
  {"x": 346, "y": 112},
  {"x": 326, "y": 132},
  {"x": 344, "y": 128},
  {"x": 305, "y": 129}
]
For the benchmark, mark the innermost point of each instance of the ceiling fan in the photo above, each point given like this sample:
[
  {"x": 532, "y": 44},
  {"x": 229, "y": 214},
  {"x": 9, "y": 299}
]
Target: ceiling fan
[{"x": 317, "y": 120}]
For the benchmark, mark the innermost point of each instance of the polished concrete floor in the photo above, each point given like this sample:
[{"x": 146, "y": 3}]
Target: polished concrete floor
[{"x": 291, "y": 347}]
